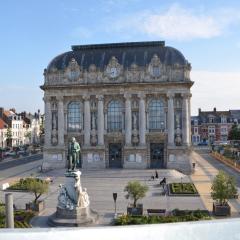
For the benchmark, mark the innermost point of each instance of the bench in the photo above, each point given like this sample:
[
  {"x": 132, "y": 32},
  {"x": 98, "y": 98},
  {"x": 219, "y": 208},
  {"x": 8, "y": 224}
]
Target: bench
[{"x": 156, "y": 212}]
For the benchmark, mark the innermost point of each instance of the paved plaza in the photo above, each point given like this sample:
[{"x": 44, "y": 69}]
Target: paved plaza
[{"x": 102, "y": 183}]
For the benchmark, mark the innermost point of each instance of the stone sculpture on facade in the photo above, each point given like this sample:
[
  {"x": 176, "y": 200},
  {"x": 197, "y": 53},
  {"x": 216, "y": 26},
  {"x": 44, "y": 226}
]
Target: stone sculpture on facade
[{"x": 73, "y": 154}]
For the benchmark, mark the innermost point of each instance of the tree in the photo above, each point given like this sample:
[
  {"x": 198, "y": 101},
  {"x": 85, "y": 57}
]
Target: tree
[
  {"x": 135, "y": 190},
  {"x": 38, "y": 187},
  {"x": 223, "y": 188},
  {"x": 234, "y": 133},
  {"x": 9, "y": 135},
  {"x": 28, "y": 135}
]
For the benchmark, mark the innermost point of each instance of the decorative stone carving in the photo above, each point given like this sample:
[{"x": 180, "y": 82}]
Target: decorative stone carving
[
  {"x": 73, "y": 71},
  {"x": 92, "y": 74},
  {"x": 113, "y": 69},
  {"x": 154, "y": 67},
  {"x": 133, "y": 74},
  {"x": 178, "y": 139}
]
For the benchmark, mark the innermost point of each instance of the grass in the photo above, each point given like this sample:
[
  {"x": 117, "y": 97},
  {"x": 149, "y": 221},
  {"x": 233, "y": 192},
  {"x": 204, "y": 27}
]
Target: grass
[{"x": 182, "y": 189}]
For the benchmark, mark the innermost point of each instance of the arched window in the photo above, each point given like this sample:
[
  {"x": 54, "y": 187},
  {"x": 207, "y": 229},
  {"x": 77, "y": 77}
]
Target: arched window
[
  {"x": 156, "y": 115},
  {"x": 74, "y": 117},
  {"x": 114, "y": 116}
]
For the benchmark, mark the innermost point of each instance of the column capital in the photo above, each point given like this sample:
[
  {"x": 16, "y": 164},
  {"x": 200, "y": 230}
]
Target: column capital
[
  {"x": 186, "y": 95},
  {"x": 86, "y": 97},
  {"x": 170, "y": 95},
  {"x": 127, "y": 96},
  {"x": 59, "y": 98},
  {"x": 142, "y": 95},
  {"x": 100, "y": 97},
  {"x": 47, "y": 98}
]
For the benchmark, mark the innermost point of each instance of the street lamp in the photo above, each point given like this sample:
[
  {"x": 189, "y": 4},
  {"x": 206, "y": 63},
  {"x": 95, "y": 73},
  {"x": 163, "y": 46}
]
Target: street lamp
[{"x": 115, "y": 204}]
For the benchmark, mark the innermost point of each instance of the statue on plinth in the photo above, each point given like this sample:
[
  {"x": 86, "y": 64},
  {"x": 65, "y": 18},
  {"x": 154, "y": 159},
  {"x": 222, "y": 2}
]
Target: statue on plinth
[
  {"x": 73, "y": 154},
  {"x": 73, "y": 208},
  {"x": 71, "y": 195}
]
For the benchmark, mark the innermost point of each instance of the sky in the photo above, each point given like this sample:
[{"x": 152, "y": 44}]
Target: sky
[{"x": 206, "y": 32}]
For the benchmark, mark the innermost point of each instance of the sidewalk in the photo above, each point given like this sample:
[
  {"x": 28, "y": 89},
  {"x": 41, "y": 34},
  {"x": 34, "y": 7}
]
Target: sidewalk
[{"x": 206, "y": 169}]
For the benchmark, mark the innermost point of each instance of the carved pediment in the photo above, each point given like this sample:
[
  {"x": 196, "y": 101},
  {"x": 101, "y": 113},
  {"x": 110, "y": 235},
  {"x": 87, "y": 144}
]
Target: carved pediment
[
  {"x": 113, "y": 69},
  {"x": 133, "y": 74},
  {"x": 73, "y": 71},
  {"x": 155, "y": 67}
]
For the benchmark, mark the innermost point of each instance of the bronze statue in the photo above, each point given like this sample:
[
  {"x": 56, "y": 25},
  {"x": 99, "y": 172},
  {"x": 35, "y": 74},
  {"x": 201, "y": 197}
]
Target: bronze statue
[{"x": 73, "y": 154}]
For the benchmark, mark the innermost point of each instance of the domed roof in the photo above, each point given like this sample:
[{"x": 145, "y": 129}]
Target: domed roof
[{"x": 139, "y": 53}]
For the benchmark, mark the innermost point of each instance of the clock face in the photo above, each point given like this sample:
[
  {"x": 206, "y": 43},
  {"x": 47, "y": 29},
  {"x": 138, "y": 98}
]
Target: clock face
[{"x": 113, "y": 72}]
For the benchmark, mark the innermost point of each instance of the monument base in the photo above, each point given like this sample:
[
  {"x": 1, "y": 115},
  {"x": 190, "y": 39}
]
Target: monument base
[{"x": 72, "y": 218}]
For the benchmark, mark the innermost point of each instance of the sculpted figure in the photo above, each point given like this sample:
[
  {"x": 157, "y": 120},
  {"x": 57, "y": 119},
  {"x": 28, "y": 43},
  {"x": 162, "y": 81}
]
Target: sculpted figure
[{"x": 73, "y": 154}]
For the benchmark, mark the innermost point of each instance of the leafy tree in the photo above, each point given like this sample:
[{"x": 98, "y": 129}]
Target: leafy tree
[
  {"x": 223, "y": 188},
  {"x": 37, "y": 187},
  {"x": 135, "y": 190},
  {"x": 234, "y": 133},
  {"x": 9, "y": 135}
]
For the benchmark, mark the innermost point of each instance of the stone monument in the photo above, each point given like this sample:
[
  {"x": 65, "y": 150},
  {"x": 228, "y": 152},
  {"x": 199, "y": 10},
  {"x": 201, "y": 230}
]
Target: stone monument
[{"x": 73, "y": 208}]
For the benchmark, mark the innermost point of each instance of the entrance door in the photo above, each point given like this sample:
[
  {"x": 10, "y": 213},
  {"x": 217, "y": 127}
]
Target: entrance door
[
  {"x": 156, "y": 155},
  {"x": 115, "y": 155}
]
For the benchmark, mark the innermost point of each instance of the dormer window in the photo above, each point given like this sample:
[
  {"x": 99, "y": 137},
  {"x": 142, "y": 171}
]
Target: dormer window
[{"x": 211, "y": 119}]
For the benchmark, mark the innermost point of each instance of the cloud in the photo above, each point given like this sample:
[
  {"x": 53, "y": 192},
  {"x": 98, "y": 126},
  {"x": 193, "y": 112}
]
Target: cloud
[
  {"x": 178, "y": 23},
  {"x": 215, "y": 89}
]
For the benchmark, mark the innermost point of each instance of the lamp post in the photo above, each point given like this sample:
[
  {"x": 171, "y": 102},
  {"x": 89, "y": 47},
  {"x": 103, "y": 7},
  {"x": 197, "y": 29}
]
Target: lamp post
[{"x": 115, "y": 204}]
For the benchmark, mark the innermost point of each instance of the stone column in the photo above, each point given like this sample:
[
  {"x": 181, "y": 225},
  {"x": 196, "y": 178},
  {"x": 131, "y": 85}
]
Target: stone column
[
  {"x": 142, "y": 119},
  {"x": 48, "y": 122},
  {"x": 60, "y": 121},
  {"x": 128, "y": 119},
  {"x": 186, "y": 119},
  {"x": 100, "y": 120},
  {"x": 9, "y": 210},
  {"x": 87, "y": 120},
  {"x": 170, "y": 119}
]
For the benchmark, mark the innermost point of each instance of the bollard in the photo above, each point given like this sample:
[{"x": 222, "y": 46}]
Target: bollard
[{"x": 9, "y": 210}]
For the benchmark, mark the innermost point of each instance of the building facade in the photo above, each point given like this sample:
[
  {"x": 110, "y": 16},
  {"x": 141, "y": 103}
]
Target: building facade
[
  {"x": 128, "y": 105},
  {"x": 213, "y": 126}
]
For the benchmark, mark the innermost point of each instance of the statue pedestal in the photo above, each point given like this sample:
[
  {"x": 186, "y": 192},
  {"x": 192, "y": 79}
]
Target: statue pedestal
[
  {"x": 73, "y": 209},
  {"x": 72, "y": 218}
]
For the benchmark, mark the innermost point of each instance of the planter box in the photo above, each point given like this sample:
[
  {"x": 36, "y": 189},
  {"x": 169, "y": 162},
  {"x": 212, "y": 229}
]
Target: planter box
[
  {"x": 135, "y": 211},
  {"x": 36, "y": 207},
  {"x": 219, "y": 210}
]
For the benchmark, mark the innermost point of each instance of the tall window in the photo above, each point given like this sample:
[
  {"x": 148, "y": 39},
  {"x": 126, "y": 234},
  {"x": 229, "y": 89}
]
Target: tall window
[
  {"x": 114, "y": 116},
  {"x": 156, "y": 115},
  {"x": 74, "y": 117}
]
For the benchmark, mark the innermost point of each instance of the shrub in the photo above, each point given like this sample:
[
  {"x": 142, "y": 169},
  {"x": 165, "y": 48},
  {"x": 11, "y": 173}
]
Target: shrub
[
  {"x": 135, "y": 190},
  {"x": 183, "y": 188},
  {"x": 223, "y": 188}
]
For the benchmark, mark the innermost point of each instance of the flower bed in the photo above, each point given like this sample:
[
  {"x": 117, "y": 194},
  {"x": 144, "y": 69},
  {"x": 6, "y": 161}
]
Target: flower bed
[
  {"x": 22, "y": 184},
  {"x": 21, "y": 218},
  {"x": 182, "y": 189},
  {"x": 178, "y": 216}
]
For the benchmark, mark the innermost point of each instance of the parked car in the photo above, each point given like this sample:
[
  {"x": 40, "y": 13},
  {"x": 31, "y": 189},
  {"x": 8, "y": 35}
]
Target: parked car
[
  {"x": 10, "y": 154},
  {"x": 203, "y": 144}
]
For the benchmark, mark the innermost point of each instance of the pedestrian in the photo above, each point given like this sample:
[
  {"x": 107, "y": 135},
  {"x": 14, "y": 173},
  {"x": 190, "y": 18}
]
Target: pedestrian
[{"x": 156, "y": 174}]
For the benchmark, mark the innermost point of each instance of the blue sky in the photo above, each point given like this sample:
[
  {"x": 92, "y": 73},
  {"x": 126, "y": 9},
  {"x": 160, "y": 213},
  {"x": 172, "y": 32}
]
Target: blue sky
[{"x": 207, "y": 33}]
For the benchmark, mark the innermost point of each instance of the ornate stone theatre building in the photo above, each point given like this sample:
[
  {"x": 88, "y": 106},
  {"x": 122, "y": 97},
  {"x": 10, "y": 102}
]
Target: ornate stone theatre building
[{"x": 127, "y": 104}]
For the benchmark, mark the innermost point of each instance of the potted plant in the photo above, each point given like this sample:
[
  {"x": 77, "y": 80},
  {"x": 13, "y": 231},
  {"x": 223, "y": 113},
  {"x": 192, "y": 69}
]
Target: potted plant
[
  {"x": 38, "y": 187},
  {"x": 223, "y": 188},
  {"x": 135, "y": 191}
]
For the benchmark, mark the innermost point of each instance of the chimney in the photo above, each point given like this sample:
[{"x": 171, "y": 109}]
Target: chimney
[
  {"x": 214, "y": 109},
  {"x": 1, "y": 112},
  {"x": 199, "y": 111}
]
